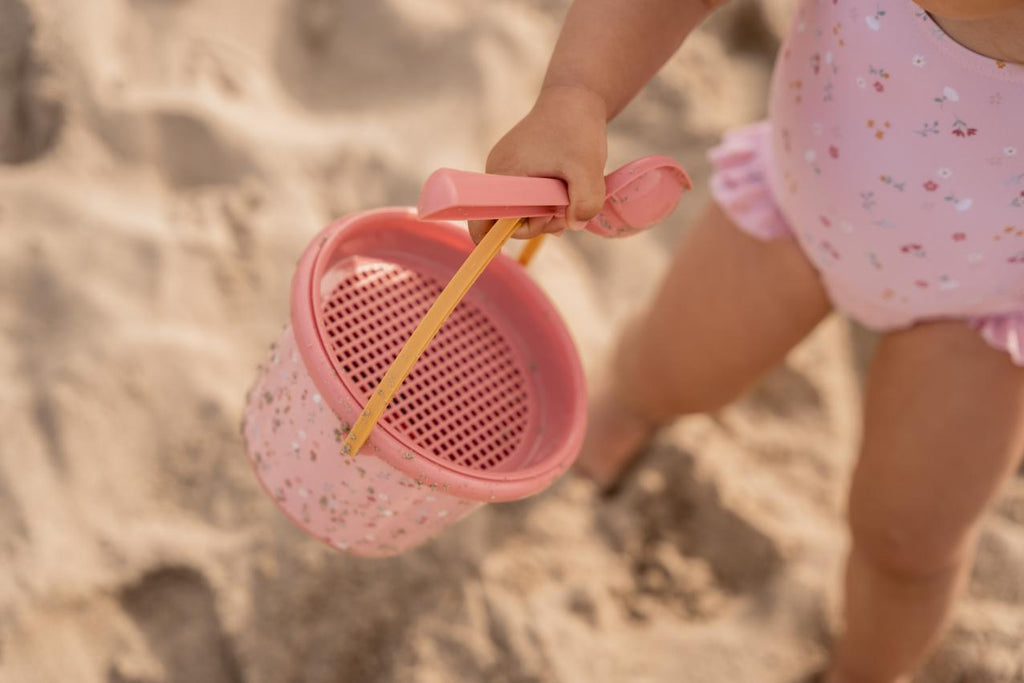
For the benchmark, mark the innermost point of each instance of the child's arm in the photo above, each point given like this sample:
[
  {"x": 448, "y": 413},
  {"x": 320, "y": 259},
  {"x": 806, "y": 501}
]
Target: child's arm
[
  {"x": 607, "y": 51},
  {"x": 613, "y": 47}
]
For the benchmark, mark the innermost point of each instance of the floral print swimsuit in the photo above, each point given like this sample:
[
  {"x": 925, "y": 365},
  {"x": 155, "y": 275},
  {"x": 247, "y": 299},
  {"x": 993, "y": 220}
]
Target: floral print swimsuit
[{"x": 895, "y": 157}]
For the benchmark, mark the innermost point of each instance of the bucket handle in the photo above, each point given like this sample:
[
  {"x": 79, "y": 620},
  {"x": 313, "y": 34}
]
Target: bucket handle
[{"x": 414, "y": 347}]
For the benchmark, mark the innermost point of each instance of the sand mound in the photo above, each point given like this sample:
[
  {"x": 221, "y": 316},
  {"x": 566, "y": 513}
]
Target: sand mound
[{"x": 162, "y": 165}]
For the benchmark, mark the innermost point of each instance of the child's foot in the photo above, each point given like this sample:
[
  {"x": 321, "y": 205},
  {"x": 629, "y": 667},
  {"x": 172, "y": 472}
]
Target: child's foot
[{"x": 616, "y": 435}]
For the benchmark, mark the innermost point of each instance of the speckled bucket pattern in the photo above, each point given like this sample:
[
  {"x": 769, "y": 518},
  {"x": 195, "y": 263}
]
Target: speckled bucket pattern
[{"x": 357, "y": 504}]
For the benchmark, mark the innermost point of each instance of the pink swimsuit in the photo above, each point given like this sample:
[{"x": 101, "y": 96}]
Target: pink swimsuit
[{"x": 895, "y": 157}]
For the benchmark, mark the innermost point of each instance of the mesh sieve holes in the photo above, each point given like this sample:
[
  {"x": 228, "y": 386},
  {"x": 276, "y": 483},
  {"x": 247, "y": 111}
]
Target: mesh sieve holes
[{"x": 472, "y": 352}]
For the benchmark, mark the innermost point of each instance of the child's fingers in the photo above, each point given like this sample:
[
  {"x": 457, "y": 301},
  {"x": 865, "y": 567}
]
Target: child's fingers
[
  {"x": 477, "y": 230},
  {"x": 531, "y": 227},
  {"x": 555, "y": 226}
]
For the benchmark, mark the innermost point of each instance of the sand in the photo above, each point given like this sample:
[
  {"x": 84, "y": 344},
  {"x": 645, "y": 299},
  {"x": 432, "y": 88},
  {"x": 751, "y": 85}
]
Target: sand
[{"x": 163, "y": 163}]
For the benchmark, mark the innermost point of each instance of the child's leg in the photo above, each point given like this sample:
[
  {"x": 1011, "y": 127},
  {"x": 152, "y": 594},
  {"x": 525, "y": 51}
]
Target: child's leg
[
  {"x": 944, "y": 426},
  {"x": 730, "y": 307}
]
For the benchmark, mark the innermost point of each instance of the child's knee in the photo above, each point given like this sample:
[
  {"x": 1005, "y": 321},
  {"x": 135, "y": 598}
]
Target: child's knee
[{"x": 906, "y": 544}]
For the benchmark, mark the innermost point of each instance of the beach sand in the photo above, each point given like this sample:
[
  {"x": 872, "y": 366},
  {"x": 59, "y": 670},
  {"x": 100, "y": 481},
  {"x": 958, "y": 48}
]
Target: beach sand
[{"x": 162, "y": 165}]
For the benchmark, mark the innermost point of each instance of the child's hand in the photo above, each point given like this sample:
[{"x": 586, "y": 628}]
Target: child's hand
[{"x": 563, "y": 136}]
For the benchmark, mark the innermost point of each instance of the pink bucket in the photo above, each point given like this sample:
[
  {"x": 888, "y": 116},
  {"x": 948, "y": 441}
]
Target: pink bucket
[{"x": 494, "y": 410}]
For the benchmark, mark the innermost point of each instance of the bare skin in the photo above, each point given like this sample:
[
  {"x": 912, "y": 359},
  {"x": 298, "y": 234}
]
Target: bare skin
[
  {"x": 729, "y": 309},
  {"x": 994, "y": 28},
  {"x": 944, "y": 419},
  {"x": 943, "y": 428}
]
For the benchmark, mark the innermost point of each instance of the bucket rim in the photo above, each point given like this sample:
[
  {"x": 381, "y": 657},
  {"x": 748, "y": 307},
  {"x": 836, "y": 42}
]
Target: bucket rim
[{"x": 384, "y": 442}]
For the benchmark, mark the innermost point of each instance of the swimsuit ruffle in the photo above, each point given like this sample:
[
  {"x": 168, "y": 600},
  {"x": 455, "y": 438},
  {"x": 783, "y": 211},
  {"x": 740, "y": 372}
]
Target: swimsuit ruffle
[
  {"x": 1004, "y": 332},
  {"x": 739, "y": 182}
]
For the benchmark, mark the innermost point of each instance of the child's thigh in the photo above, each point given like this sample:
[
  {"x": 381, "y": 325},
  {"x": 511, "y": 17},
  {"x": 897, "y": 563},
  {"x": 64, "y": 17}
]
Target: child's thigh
[
  {"x": 729, "y": 308},
  {"x": 944, "y": 426}
]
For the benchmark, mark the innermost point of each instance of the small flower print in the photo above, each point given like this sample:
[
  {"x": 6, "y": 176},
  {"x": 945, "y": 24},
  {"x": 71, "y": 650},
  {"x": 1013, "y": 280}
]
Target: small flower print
[
  {"x": 1011, "y": 230},
  {"x": 846, "y": 227},
  {"x": 931, "y": 185},
  {"x": 948, "y": 95},
  {"x": 918, "y": 61},
  {"x": 833, "y": 152},
  {"x": 1017, "y": 258},
  {"x": 811, "y": 156},
  {"x": 873, "y": 258},
  {"x": 1010, "y": 151},
  {"x": 880, "y": 75},
  {"x": 947, "y": 283},
  {"x": 867, "y": 200},
  {"x": 837, "y": 28},
  {"x": 961, "y": 204},
  {"x": 888, "y": 180},
  {"x": 928, "y": 129},
  {"x": 797, "y": 87},
  {"x": 959, "y": 236},
  {"x": 944, "y": 173},
  {"x": 921, "y": 283},
  {"x": 879, "y": 128},
  {"x": 829, "y": 249},
  {"x": 913, "y": 250},
  {"x": 816, "y": 63},
  {"x": 873, "y": 20},
  {"x": 861, "y": 82},
  {"x": 962, "y": 130},
  {"x": 975, "y": 257}
]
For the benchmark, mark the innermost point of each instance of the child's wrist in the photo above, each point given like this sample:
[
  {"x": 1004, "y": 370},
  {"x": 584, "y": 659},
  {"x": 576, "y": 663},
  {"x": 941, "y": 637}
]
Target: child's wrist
[{"x": 575, "y": 95}]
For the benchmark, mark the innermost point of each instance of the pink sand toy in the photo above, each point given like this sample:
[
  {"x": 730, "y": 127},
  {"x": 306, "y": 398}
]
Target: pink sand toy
[{"x": 493, "y": 410}]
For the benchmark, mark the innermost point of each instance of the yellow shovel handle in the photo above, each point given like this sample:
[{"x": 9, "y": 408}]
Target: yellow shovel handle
[
  {"x": 449, "y": 298},
  {"x": 530, "y": 250}
]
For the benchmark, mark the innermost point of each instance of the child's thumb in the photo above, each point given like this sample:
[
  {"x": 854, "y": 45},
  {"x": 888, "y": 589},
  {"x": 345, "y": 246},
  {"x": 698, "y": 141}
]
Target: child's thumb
[{"x": 586, "y": 198}]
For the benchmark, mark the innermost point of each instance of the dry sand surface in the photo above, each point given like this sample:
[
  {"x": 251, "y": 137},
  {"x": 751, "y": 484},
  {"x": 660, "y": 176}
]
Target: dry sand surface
[{"x": 162, "y": 164}]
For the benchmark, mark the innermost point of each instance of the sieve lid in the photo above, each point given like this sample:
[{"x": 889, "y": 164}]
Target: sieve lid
[{"x": 336, "y": 242}]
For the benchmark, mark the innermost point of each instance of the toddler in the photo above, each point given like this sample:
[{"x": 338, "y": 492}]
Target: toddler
[{"x": 887, "y": 184}]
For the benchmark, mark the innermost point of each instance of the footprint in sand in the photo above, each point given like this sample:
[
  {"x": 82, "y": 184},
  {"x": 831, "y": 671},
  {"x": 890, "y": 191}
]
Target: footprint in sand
[
  {"x": 358, "y": 55},
  {"x": 174, "y": 609},
  {"x": 13, "y": 529},
  {"x": 694, "y": 551},
  {"x": 30, "y": 120}
]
